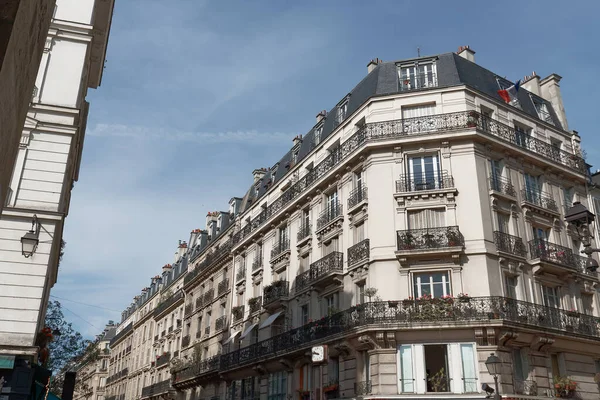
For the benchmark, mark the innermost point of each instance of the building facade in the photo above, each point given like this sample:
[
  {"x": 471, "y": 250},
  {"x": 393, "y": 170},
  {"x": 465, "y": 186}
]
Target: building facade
[
  {"x": 23, "y": 28},
  {"x": 92, "y": 372},
  {"x": 417, "y": 228},
  {"x": 45, "y": 170}
]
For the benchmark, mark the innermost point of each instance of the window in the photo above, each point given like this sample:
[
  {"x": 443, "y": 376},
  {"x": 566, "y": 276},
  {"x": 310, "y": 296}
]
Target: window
[
  {"x": 428, "y": 218},
  {"x": 436, "y": 368},
  {"x": 303, "y": 265},
  {"x": 332, "y": 204},
  {"x": 568, "y": 195},
  {"x": 406, "y": 369},
  {"x": 496, "y": 170},
  {"x": 520, "y": 364},
  {"x": 556, "y": 145},
  {"x": 277, "y": 386},
  {"x": 550, "y": 296},
  {"x": 587, "y": 301},
  {"x": 330, "y": 304},
  {"x": 504, "y": 84},
  {"x": 522, "y": 135},
  {"x": 360, "y": 292},
  {"x": 223, "y": 309},
  {"x": 434, "y": 284},
  {"x": 486, "y": 120},
  {"x": 359, "y": 232},
  {"x": 342, "y": 110},
  {"x": 366, "y": 361},
  {"x": 503, "y": 221},
  {"x": 414, "y": 121},
  {"x": 418, "y": 76},
  {"x": 283, "y": 233},
  {"x": 511, "y": 283},
  {"x": 424, "y": 172},
  {"x": 305, "y": 217},
  {"x": 318, "y": 133},
  {"x": 533, "y": 188},
  {"x": 358, "y": 180},
  {"x": 542, "y": 109},
  {"x": 304, "y": 314},
  {"x": 540, "y": 233},
  {"x": 208, "y": 315},
  {"x": 331, "y": 246}
]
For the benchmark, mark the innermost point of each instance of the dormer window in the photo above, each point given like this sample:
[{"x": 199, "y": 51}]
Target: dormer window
[
  {"x": 317, "y": 136},
  {"x": 342, "y": 111},
  {"x": 419, "y": 75},
  {"x": 542, "y": 109}
]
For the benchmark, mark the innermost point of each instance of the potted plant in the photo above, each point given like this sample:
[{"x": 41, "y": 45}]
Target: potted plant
[
  {"x": 564, "y": 387},
  {"x": 464, "y": 298},
  {"x": 408, "y": 302},
  {"x": 453, "y": 237},
  {"x": 473, "y": 118},
  {"x": 407, "y": 241},
  {"x": 332, "y": 386}
]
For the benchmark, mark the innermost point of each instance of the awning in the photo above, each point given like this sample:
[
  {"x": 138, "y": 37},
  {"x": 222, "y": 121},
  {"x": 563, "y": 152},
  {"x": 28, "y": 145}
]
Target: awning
[
  {"x": 248, "y": 330},
  {"x": 270, "y": 320},
  {"x": 231, "y": 337}
]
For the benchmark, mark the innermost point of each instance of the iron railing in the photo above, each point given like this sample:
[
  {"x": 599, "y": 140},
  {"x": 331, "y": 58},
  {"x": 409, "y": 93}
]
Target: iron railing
[
  {"x": 238, "y": 312},
  {"x": 168, "y": 303},
  {"x": 554, "y": 253},
  {"x": 254, "y": 304},
  {"x": 502, "y": 185},
  {"x": 241, "y": 274},
  {"x": 220, "y": 323},
  {"x": 199, "y": 302},
  {"x": 410, "y": 313},
  {"x": 276, "y": 291},
  {"x": 362, "y": 388},
  {"x": 280, "y": 247},
  {"x": 188, "y": 309},
  {"x": 185, "y": 341},
  {"x": 417, "y": 182},
  {"x": 331, "y": 212},
  {"x": 527, "y": 387},
  {"x": 331, "y": 263},
  {"x": 163, "y": 359},
  {"x": 540, "y": 199},
  {"x": 418, "y": 81},
  {"x": 359, "y": 252},
  {"x": 357, "y": 196},
  {"x": 510, "y": 244},
  {"x": 430, "y": 238},
  {"x": 190, "y": 371},
  {"x": 223, "y": 286},
  {"x": 304, "y": 231},
  {"x": 128, "y": 329},
  {"x": 209, "y": 296},
  {"x": 215, "y": 257},
  {"x": 156, "y": 389}
]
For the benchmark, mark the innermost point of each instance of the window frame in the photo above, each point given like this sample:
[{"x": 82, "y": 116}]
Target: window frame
[{"x": 446, "y": 283}]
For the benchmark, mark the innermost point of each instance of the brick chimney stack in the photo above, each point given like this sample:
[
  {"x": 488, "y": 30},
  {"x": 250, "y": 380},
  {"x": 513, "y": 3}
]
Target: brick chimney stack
[{"x": 466, "y": 53}]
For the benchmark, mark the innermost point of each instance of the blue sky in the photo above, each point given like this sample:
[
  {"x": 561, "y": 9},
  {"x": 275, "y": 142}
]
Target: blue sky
[{"x": 196, "y": 94}]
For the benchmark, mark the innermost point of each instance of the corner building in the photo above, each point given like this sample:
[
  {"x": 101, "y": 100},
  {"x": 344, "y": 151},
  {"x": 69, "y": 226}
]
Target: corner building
[{"x": 417, "y": 228}]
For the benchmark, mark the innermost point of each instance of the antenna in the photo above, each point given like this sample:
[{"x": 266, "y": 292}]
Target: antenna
[{"x": 418, "y": 51}]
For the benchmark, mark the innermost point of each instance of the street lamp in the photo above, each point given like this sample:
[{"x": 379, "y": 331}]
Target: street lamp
[
  {"x": 30, "y": 241},
  {"x": 493, "y": 365},
  {"x": 580, "y": 217}
]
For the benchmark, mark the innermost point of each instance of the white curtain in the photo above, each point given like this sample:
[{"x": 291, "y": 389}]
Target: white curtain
[
  {"x": 428, "y": 218},
  {"x": 418, "y": 111},
  {"x": 468, "y": 365}
]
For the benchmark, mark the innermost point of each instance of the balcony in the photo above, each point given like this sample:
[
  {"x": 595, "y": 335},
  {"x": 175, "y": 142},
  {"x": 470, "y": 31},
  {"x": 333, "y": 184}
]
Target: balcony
[
  {"x": 527, "y": 388},
  {"x": 220, "y": 323},
  {"x": 424, "y": 182},
  {"x": 553, "y": 257},
  {"x": 275, "y": 293},
  {"x": 304, "y": 233},
  {"x": 417, "y": 314},
  {"x": 333, "y": 212},
  {"x": 418, "y": 81},
  {"x": 168, "y": 303},
  {"x": 426, "y": 125},
  {"x": 240, "y": 275},
  {"x": 359, "y": 253},
  {"x": 163, "y": 359},
  {"x": 503, "y": 186},
  {"x": 199, "y": 302},
  {"x": 189, "y": 308},
  {"x": 209, "y": 296},
  {"x": 223, "y": 287},
  {"x": 199, "y": 373},
  {"x": 185, "y": 341},
  {"x": 156, "y": 389},
  {"x": 254, "y": 304},
  {"x": 422, "y": 243},
  {"x": 238, "y": 313},
  {"x": 357, "y": 196},
  {"x": 510, "y": 244},
  {"x": 362, "y": 388},
  {"x": 539, "y": 201},
  {"x": 280, "y": 250},
  {"x": 322, "y": 272}
]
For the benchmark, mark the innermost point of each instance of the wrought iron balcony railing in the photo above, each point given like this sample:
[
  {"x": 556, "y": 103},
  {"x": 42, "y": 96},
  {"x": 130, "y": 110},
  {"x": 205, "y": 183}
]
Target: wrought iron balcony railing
[
  {"x": 510, "y": 244},
  {"x": 280, "y": 247},
  {"x": 188, "y": 309},
  {"x": 430, "y": 238},
  {"x": 418, "y": 81},
  {"x": 241, "y": 274},
  {"x": 190, "y": 371},
  {"x": 185, "y": 341},
  {"x": 276, "y": 291},
  {"x": 528, "y": 387},
  {"x": 540, "y": 199},
  {"x": 304, "y": 231},
  {"x": 330, "y": 213},
  {"x": 238, "y": 313},
  {"x": 169, "y": 330},
  {"x": 554, "y": 253},
  {"x": 156, "y": 389},
  {"x": 212, "y": 258},
  {"x": 417, "y": 182},
  {"x": 430, "y": 124},
  {"x": 359, "y": 252},
  {"x": 220, "y": 323},
  {"x": 502, "y": 185},
  {"x": 257, "y": 264},
  {"x": 331, "y": 263},
  {"x": 362, "y": 388},
  {"x": 168, "y": 303},
  {"x": 411, "y": 313},
  {"x": 357, "y": 195},
  {"x": 223, "y": 286},
  {"x": 254, "y": 304},
  {"x": 209, "y": 296},
  {"x": 163, "y": 333},
  {"x": 163, "y": 359},
  {"x": 199, "y": 302}
]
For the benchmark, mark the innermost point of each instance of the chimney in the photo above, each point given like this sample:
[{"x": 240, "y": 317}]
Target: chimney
[
  {"x": 166, "y": 267},
  {"x": 531, "y": 83},
  {"x": 321, "y": 115},
  {"x": 297, "y": 140},
  {"x": 373, "y": 64},
  {"x": 194, "y": 237},
  {"x": 258, "y": 174},
  {"x": 550, "y": 90},
  {"x": 466, "y": 53}
]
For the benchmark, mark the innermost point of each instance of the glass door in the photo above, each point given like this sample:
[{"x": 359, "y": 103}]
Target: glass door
[{"x": 424, "y": 172}]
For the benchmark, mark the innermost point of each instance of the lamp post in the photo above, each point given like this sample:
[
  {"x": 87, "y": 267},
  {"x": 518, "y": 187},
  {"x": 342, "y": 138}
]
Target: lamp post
[
  {"x": 580, "y": 218},
  {"x": 493, "y": 365}
]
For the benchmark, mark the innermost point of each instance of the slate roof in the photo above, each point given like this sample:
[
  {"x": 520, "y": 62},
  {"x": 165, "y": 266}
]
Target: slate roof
[{"x": 452, "y": 70}]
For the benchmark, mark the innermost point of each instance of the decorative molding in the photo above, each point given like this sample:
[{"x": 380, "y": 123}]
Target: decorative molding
[{"x": 541, "y": 343}]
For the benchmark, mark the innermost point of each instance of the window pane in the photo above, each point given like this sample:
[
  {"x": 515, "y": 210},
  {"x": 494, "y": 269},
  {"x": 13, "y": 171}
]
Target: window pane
[
  {"x": 406, "y": 369},
  {"x": 468, "y": 365}
]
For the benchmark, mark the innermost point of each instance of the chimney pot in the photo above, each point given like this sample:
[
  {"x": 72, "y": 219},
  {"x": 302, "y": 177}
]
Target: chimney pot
[
  {"x": 467, "y": 53},
  {"x": 321, "y": 115}
]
